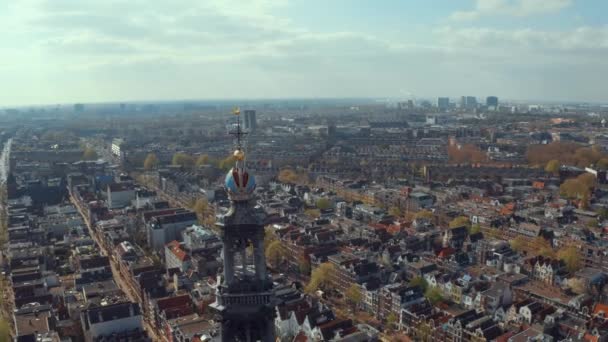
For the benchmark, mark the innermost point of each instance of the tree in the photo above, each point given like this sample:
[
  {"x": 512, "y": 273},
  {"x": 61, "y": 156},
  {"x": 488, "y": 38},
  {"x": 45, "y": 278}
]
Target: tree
[
  {"x": 466, "y": 154},
  {"x": 323, "y": 203},
  {"x": 474, "y": 229},
  {"x": 424, "y": 214},
  {"x": 288, "y": 176},
  {"x": 541, "y": 154},
  {"x": 313, "y": 213},
  {"x": 202, "y": 160},
  {"x": 602, "y": 164},
  {"x": 182, "y": 159},
  {"x": 4, "y": 331},
  {"x": 587, "y": 179},
  {"x": 571, "y": 257},
  {"x": 460, "y": 221},
  {"x": 391, "y": 320},
  {"x": 275, "y": 253},
  {"x": 574, "y": 189},
  {"x": 394, "y": 211},
  {"x": 303, "y": 266},
  {"x": 603, "y": 213},
  {"x": 518, "y": 243},
  {"x": 423, "y": 331},
  {"x": 227, "y": 163},
  {"x": 577, "y": 285},
  {"x": 320, "y": 279},
  {"x": 89, "y": 154},
  {"x": 543, "y": 246},
  {"x": 200, "y": 206},
  {"x": 433, "y": 295},
  {"x": 151, "y": 162},
  {"x": 353, "y": 295},
  {"x": 420, "y": 282},
  {"x": 552, "y": 167}
]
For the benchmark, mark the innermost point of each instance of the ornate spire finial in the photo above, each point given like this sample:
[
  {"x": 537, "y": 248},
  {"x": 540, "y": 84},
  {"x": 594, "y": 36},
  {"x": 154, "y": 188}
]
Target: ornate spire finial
[
  {"x": 239, "y": 183},
  {"x": 238, "y": 133}
]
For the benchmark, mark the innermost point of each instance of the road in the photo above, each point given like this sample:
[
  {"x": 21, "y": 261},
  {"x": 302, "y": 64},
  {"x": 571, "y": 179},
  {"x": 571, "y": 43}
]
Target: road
[{"x": 152, "y": 331}]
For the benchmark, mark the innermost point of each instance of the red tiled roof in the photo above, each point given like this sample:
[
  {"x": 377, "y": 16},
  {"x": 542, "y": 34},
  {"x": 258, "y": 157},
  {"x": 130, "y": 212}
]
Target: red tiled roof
[
  {"x": 175, "y": 248},
  {"x": 599, "y": 307},
  {"x": 446, "y": 252},
  {"x": 177, "y": 306}
]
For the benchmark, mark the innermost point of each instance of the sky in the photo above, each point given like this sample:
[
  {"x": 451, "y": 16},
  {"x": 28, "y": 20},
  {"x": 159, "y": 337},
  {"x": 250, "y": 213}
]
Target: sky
[{"x": 66, "y": 51}]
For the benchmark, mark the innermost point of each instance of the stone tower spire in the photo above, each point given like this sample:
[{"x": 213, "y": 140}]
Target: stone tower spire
[{"x": 245, "y": 299}]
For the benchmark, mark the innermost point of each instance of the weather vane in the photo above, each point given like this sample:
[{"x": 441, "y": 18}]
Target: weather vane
[
  {"x": 239, "y": 134},
  {"x": 238, "y": 154}
]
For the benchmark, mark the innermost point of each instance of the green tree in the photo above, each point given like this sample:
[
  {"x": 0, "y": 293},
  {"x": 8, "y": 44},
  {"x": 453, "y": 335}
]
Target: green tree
[
  {"x": 603, "y": 213},
  {"x": 518, "y": 243},
  {"x": 433, "y": 295},
  {"x": 89, "y": 154},
  {"x": 151, "y": 162},
  {"x": 354, "y": 296},
  {"x": 303, "y": 266},
  {"x": 423, "y": 331},
  {"x": 182, "y": 159},
  {"x": 571, "y": 257},
  {"x": 552, "y": 167},
  {"x": 320, "y": 279},
  {"x": 202, "y": 160},
  {"x": 420, "y": 282},
  {"x": 323, "y": 203},
  {"x": 460, "y": 221},
  {"x": 602, "y": 164},
  {"x": 424, "y": 214},
  {"x": 275, "y": 253},
  {"x": 313, "y": 213},
  {"x": 474, "y": 229},
  {"x": 394, "y": 211},
  {"x": 391, "y": 321}
]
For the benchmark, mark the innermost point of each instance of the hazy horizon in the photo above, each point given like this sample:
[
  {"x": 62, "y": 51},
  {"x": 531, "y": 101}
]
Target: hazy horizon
[{"x": 61, "y": 51}]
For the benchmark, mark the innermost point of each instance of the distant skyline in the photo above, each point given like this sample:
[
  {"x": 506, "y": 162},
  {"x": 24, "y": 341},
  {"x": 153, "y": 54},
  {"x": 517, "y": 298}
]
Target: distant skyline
[{"x": 65, "y": 51}]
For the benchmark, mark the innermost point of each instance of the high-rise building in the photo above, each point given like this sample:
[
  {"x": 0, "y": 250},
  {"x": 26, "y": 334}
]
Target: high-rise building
[
  {"x": 250, "y": 121},
  {"x": 492, "y": 101},
  {"x": 245, "y": 299},
  {"x": 443, "y": 103},
  {"x": 471, "y": 102}
]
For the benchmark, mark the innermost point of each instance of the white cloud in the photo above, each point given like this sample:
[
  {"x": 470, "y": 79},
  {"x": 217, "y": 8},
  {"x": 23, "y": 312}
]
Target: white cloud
[
  {"x": 112, "y": 50},
  {"x": 581, "y": 39},
  {"x": 519, "y": 8}
]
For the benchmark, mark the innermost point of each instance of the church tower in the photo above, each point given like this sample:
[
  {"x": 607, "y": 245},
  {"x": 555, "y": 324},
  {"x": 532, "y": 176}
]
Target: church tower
[{"x": 244, "y": 299}]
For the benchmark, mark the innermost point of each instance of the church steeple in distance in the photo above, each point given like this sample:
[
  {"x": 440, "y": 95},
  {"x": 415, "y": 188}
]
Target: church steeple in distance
[{"x": 245, "y": 300}]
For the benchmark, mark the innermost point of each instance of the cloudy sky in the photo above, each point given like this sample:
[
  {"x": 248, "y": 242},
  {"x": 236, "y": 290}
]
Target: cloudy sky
[{"x": 63, "y": 51}]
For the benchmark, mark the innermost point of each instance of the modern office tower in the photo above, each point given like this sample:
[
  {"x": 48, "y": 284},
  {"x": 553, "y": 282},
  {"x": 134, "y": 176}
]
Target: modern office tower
[
  {"x": 471, "y": 102},
  {"x": 492, "y": 101},
  {"x": 443, "y": 103},
  {"x": 250, "y": 121}
]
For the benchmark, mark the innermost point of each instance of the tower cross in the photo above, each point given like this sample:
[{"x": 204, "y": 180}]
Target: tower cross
[{"x": 238, "y": 133}]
